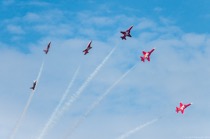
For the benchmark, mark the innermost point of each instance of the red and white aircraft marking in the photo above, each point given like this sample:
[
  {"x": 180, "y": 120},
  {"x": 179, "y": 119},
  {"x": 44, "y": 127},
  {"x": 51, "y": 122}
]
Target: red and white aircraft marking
[
  {"x": 182, "y": 107},
  {"x": 47, "y": 49},
  {"x": 88, "y": 48},
  {"x": 146, "y": 55},
  {"x": 126, "y": 33}
]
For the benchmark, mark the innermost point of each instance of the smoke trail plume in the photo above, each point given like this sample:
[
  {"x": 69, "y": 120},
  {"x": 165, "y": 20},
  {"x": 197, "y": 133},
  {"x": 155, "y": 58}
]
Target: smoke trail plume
[
  {"x": 26, "y": 106},
  {"x": 76, "y": 95},
  {"x": 129, "y": 133},
  {"x": 40, "y": 72},
  {"x": 93, "y": 106},
  {"x": 47, "y": 125}
]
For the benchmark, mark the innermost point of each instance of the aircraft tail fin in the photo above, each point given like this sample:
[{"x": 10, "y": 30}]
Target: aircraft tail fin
[
  {"x": 46, "y": 51},
  {"x": 142, "y": 58},
  {"x": 177, "y": 109},
  {"x": 123, "y": 37},
  {"x": 85, "y": 52}
]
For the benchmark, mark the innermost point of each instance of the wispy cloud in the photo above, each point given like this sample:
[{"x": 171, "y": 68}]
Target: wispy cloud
[
  {"x": 15, "y": 29},
  {"x": 158, "y": 9},
  {"x": 32, "y": 17},
  {"x": 145, "y": 23},
  {"x": 194, "y": 40},
  {"x": 178, "y": 71},
  {"x": 36, "y": 3},
  {"x": 8, "y": 2},
  {"x": 88, "y": 19}
]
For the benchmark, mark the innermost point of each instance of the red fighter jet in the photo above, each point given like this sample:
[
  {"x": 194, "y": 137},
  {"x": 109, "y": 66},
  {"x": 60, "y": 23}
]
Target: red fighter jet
[
  {"x": 126, "y": 33},
  {"x": 88, "y": 48},
  {"x": 182, "y": 107},
  {"x": 146, "y": 55},
  {"x": 47, "y": 49},
  {"x": 34, "y": 85}
]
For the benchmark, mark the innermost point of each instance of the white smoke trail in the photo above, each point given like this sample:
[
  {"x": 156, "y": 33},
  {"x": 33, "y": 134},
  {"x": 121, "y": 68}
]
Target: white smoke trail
[
  {"x": 40, "y": 72},
  {"x": 27, "y": 105},
  {"x": 93, "y": 106},
  {"x": 47, "y": 125},
  {"x": 129, "y": 133},
  {"x": 76, "y": 95}
]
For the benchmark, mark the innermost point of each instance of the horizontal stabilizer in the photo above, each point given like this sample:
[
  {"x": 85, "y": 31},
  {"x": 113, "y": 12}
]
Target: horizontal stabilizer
[
  {"x": 177, "y": 109},
  {"x": 123, "y": 37},
  {"x": 182, "y": 111},
  {"x": 142, "y": 58}
]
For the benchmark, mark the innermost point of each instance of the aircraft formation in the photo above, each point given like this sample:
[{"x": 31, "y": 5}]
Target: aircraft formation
[
  {"x": 45, "y": 51},
  {"x": 146, "y": 56}
]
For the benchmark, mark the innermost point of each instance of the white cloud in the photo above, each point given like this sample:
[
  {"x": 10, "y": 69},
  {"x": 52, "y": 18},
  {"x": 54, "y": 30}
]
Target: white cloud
[
  {"x": 31, "y": 17},
  {"x": 145, "y": 23},
  {"x": 152, "y": 89},
  {"x": 194, "y": 40},
  {"x": 158, "y": 9},
  {"x": 35, "y": 3},
  {"x": 88, "y": 19},
  {"x": 15, "y": 29},
  {"x": 166, "y": 21},
  {"x": 62, "y": 29}
]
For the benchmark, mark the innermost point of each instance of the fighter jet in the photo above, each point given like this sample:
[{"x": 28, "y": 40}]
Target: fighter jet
[
  {"x": 88, "y": 48},
  {"x": 182, "y": 107},
  {"x": 146, "y": 55},
  {"x": 34, "y": 85},
  {"x": 47, "y": 49},
  {"x": 126, "y": 33}
]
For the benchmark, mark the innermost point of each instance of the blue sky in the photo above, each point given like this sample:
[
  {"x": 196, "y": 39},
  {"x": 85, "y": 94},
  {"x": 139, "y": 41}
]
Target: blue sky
[
  {"x": 178, "y": 71},
  {"x": 189, "y": 15}
]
